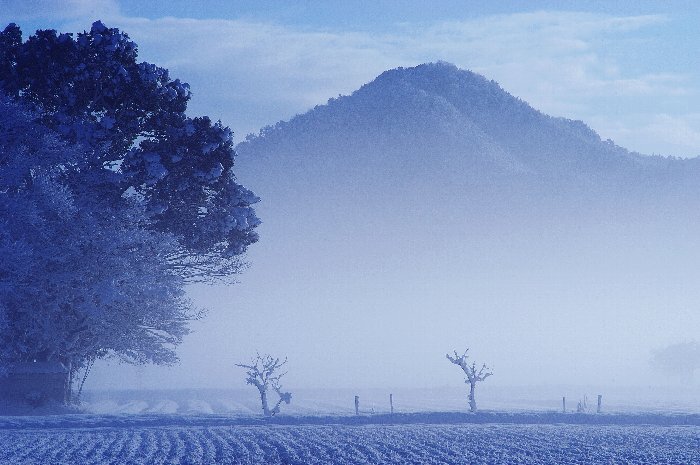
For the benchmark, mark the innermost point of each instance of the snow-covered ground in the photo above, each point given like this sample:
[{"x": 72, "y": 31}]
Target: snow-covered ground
[
  {"x": 319, "y": 427},
  {"x": 348, "y": 444}
]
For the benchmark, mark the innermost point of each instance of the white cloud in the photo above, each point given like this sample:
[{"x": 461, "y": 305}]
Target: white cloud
[
  {"x": 663, "y": 134},
  {"x": 252, "y": 74},
  {"x": 554, "y": 60}
]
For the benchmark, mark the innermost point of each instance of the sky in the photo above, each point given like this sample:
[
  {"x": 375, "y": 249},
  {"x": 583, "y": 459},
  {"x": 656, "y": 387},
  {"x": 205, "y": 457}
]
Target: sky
[{"x": 627, "y": 69}]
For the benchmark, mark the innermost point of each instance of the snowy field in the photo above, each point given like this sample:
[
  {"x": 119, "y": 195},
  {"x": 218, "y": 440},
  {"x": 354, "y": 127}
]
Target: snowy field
[
  {"x": 338, "y": 443},
  {"x": 319, "y": 427}
]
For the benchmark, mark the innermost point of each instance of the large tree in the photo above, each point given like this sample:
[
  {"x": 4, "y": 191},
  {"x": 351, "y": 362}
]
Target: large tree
[
  {"x": 92, "y": 90},
  {"x": 111, "y": 200},
  {"x": 77, "y": 282}
]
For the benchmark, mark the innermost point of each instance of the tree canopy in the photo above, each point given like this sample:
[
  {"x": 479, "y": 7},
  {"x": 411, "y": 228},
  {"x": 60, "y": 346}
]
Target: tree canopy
[
  {"x": 91, "y": 90},
  {"x": 77, "y": 282}
]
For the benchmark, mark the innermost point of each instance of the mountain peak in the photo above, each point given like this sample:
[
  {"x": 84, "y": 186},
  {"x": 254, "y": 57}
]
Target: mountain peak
[
  {"x": 451, "y": 83},
  {"x": 434, "y": 117},
  {"x": 429, "y": 70},
  {"x": 433, "y": 74}
]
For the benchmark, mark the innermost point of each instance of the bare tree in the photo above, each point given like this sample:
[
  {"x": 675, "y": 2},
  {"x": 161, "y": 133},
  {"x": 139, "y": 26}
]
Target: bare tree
[
  {"x": 473, "y": 376},
  {"x": 262, "y": 373}
]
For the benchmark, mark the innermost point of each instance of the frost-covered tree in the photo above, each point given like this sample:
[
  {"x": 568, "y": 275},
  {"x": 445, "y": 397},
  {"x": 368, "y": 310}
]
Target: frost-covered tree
[
  {"x": 681, "y": 360},
  {"x": 77, "y": 282},
  {"x": 111, "y": 200},
  {"x": 92, "y": 90},
  {"x": 474, "y": 375},
  {"x": 263, "y": 373}
]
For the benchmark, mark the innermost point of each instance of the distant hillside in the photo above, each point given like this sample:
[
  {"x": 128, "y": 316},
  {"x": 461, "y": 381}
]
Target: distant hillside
[{"x": 451, "y": 127}]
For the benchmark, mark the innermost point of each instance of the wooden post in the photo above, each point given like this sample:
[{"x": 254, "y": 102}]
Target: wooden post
[
  {"x": 563, "y": 404},
  {"x": 600, "y": 401},
  {"x": 357, "y": 405},
  {"x": 391, "y": 402}
]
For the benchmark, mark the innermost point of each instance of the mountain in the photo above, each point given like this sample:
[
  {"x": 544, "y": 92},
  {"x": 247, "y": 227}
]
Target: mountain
[{"x": 447, "y": 126}]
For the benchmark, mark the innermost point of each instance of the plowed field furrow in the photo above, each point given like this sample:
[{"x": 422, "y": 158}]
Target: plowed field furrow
[
  {"x": 343, "y": 444},
  {"x": 32, "y": 447},
  {"x": 227, "y": 448},
  {"x": 178, "y": 451},
  {"x": 60, "y": 449},
  {"x": 246, "y": 439},
  {"x": 81, "y": 448},
  {"x": 205, "y": 439},
  {"x": 290, "y": 450},
  {"x": 192, "y": 442},
  {"x": 120, "y": 447},
  {"x": 316, "y": 451},
  {"x": 273, "y": 453},
  {"x": 147, "y": 449},
  {"x": 345, "y": 448}
]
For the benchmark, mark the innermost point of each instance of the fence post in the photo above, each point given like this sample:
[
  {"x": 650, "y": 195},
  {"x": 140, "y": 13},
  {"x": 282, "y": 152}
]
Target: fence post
[
  {"x": 600, "y": 401},
  {"x": 357, "y": 405},
  {"x": 391, "y": 402}
]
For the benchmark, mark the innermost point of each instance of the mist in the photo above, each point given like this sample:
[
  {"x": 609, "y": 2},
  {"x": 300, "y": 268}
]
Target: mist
[{"x": 387, "y": 242}]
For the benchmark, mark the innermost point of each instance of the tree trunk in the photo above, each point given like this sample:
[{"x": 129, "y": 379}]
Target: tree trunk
[
  {"x": 472, "y": 400},
  {"x": 88, "y": 367},
  {"x": 265, "y": 406},
  {"x": 71, "y": 374},
  {"x": 276, "y": 409},
  {"x": 68, "y": 394}
]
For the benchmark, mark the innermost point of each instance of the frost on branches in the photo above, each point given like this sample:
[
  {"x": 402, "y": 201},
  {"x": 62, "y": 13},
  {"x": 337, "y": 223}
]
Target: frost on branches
[
  {"x": 474, "y": 375},
  {"x": 77, "y": 282},
  {"x": 91, "y": 90},
  {"x": 263, "y": 373},
  {"x": 111, "y": 200}
]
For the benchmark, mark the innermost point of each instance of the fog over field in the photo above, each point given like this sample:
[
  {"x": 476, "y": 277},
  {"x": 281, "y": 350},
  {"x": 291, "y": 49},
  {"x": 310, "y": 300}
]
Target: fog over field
[{"x": 431, "y": 211}]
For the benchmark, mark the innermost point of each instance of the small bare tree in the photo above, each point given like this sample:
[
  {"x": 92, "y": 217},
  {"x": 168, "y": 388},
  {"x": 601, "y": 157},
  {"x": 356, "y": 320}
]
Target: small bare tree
[
  {"x": 262, "y": 373},
  {"x": 473, "y": 376}
]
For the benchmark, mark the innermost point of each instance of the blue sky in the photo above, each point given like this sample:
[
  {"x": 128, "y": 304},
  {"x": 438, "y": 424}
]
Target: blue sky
[{"x": 625, "y": 68}]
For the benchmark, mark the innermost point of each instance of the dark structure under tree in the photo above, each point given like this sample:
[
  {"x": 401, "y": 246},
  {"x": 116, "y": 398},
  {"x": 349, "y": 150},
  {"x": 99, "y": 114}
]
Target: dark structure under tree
[{"x": 35, "y": 384}]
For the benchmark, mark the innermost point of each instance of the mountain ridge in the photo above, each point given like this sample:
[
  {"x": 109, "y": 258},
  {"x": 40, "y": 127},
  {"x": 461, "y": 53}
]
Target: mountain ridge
[{"x": 436, "y": 117}]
